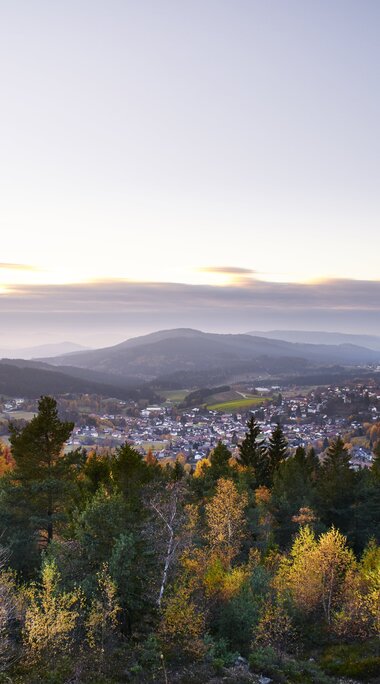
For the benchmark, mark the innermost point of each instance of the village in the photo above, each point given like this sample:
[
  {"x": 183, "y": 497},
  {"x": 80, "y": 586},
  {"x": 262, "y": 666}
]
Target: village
[{"x": 309, "y": 419}]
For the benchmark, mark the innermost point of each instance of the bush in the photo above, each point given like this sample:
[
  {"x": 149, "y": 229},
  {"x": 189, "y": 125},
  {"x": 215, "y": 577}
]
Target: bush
[
  {"x": 219, "y": 652},
  {"x": 352, "y": 660},
  {"x": 266, "y": 661},
  {"x": 286, "y": 670}
]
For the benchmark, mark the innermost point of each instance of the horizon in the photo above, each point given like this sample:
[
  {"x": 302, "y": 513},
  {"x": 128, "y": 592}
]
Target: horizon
[
  {"x": 103, "y": 314},
  {"x": 115, "y": 342}
]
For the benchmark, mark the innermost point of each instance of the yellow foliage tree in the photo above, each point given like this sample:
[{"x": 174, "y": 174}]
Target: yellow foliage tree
[
  {"x": 51, "y": 616},
  {"x": 6, "y": 460},
  {"x": 359, "y": 615},
  {"x": 183, "y": 624},
  {"x": 225, "y": 519},
  {"x": 201, "y": 467},
  {"x": 103, "y": 617},
  {"x": 315, "y": 572}
]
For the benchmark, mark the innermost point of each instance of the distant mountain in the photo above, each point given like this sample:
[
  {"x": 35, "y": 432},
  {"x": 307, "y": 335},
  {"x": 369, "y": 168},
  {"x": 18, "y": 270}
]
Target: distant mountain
[
  {"x": 44, "y": 350},
  {"x": 25, "y": 378},
  {"x": 191, "y": 353},
  {"x": 320, "y": 337}
]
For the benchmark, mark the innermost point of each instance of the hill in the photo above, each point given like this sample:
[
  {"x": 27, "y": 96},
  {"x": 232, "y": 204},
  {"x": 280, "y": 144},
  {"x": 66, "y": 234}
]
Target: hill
[
  {"x": 45, "y": 350},
  {"x": 25, "y": 379},
  {"x": 321, "y": 337},
  {"x": 197, "y": 358}
]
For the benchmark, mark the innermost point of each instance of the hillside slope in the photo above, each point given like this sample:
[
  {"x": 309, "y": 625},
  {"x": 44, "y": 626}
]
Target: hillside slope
[{"x": 192, "y": 351}]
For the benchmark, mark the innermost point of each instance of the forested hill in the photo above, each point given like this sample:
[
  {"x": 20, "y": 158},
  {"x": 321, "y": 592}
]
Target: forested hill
[
  {"x": 26, "y": 379},
  {"x": 192, "y": 351}
]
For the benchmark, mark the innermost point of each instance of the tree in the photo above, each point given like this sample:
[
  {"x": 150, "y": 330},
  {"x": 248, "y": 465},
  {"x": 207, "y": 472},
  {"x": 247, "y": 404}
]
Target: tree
[
  {"x": 98, "y": 526},
  {"x": 51, "y": 616},
  {"x": 225, "y": 519},
  {"x": 165, "y": 526},
  {"x": 219, "y": 462},
  {"x": 315, "y": 571},
  {"x": 376, "y": 463},
  {"x": 130, "y": 472},
  {"x": 8, "y": 614},
  {"x": 103, "y": 618},
  {"x": 335, "y": 486},
  {"x": 293, "y": 488},
  {"x": 359, "y": 616},
  {"x": 42, "y": 472},
  {"x": 333, "y": 560},
  {"x": 275, "y": 629},
  {"x": 253, "y": 453},
  {"x": 6, "y": 460},
  {"x": 277, "y": 449},
  {"x": 183, "y": 625}
]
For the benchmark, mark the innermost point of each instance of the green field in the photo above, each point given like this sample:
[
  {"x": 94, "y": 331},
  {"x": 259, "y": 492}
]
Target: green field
[
  {"x": 237, "y": 404},
  {"x": 175, "y": 396},
  {"x": 156, "y": 446}
]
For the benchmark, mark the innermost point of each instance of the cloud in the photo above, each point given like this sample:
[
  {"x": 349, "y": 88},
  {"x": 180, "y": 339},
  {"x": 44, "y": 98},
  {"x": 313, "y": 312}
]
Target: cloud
[
  {"x": 94, "y": 313},
  {"x": 17, "y": 267},
  {"x": 120, "y": 295},
  {"x": 227, "y": 270}
]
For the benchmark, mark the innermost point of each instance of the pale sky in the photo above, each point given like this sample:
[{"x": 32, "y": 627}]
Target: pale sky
[{"x": 189, "y": 141}]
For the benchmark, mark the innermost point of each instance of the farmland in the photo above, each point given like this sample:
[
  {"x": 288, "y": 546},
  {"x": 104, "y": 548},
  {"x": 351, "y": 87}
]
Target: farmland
[{"x": 238, "y": 404}]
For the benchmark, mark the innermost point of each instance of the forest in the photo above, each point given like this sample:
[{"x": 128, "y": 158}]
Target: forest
[{"x": 258, "y": 567}]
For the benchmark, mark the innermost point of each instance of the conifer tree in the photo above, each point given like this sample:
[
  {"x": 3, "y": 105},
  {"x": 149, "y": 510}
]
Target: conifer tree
[
  {"x": 336, "y": 483},
  {"x": 42, "y": 472},
  {"x": 219, "y": 460},
  {"x": 253, "y": 454},
  {"x": 277, "y": 449}
]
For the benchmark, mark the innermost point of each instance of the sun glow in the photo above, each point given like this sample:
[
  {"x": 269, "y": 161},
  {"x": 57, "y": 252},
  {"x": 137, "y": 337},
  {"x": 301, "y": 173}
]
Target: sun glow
[{"x": 36, "y": 276}]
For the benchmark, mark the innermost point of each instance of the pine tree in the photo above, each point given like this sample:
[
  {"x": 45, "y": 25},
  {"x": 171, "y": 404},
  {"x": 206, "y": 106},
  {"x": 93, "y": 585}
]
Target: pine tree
[
  {"x": 219, "y": 460},
  {"x": 336, "y": 483},
  {"x": 253, "y": 454},
  {"x": 130, "y": 472},
  {"x": 277, "y": 449},
  {"x": 42, "y": 472}
]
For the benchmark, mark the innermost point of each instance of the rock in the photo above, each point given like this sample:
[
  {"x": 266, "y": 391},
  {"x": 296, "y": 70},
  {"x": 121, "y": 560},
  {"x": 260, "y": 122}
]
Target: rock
[
  {"x": 241, "y": 662},
  {"x": 264, "y": 680}
]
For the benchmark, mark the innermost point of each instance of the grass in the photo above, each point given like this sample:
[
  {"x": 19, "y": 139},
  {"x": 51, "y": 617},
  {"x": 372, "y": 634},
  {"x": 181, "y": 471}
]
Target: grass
[
  {"x": 236, "y": 404},
  {"x": 359, "y": 661},
  {"x": 156, "y": 446},
  {"x": 176, "y": 396}
]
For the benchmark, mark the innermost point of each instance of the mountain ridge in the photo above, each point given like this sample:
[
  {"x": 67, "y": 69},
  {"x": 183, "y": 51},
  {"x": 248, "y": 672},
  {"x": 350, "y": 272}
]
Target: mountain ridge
[
  {"x": 185, "y": 349},
  {"x": 321, "y": 337}
]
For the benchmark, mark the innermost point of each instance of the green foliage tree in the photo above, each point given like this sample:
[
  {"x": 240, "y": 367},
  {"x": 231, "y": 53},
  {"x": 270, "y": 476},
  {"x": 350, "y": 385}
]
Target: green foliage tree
[{"x": 98, "y": 526}]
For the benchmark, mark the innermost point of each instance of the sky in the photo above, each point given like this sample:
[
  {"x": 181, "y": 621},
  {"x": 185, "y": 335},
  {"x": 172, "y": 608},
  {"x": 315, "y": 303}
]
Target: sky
[{"x": 200, "y": 163}]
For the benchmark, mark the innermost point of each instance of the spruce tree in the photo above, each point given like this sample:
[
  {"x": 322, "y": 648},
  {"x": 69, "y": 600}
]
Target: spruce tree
[
  {"x": 277, "y": 449},
  {"x": 219, "y": 459},
  {"x": 336, "y": 484},
  {"x": 253, "y": 454}
]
